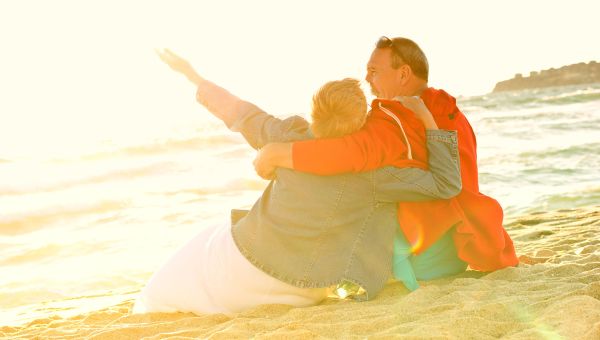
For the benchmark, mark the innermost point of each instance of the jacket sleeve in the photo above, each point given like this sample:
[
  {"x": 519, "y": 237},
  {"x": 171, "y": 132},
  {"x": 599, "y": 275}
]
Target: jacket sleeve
[
  {"x": 443, "y": 181},
  {"x": 257, "y": 127},
  {"x": 373, "y": 146}
]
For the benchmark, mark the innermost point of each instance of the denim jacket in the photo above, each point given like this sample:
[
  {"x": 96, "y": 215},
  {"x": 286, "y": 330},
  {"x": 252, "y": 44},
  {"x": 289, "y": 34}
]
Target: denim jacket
[{"x": 318, "y": 231}]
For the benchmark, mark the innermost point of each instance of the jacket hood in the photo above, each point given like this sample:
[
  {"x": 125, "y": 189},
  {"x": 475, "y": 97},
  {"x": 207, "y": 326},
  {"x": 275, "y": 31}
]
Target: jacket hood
[{"x": 439, "y": 102}]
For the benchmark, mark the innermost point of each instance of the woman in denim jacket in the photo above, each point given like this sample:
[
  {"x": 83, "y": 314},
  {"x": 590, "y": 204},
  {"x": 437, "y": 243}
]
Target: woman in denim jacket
[{"x": 307, "y": 235}]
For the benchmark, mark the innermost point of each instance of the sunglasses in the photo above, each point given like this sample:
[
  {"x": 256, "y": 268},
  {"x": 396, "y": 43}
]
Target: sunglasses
[{"x": 385, "y": 42}]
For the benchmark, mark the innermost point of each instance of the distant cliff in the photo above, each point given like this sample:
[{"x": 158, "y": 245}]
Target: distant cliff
[{"x": 581, "y": 73}]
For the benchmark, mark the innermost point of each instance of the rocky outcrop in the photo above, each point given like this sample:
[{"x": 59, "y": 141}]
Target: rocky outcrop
[{"x": 575, "y": 74}]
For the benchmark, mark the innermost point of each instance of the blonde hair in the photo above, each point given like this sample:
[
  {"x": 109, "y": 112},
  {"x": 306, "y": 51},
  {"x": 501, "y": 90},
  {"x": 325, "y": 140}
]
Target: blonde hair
[{"x": 338, "y": 108}]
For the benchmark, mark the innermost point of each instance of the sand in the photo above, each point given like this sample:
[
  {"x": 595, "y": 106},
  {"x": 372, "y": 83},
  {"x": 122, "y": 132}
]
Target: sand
[{"x": 553, "y": 294}]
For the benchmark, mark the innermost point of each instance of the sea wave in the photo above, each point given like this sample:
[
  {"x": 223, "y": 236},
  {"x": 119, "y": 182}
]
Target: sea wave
[
  {"x": 203, "y": 142},
  {"x": 69, "y": 177},
  {"x": 568, "y": 151},
  {"x": 531, "y": 98},
  {"x": 577, "y": 96},
  {"x": 581, "y": 198},
  {"x": 21, "y": 223}
]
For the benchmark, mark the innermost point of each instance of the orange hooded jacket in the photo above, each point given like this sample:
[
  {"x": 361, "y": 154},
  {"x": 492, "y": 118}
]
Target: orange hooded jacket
[{"x": 479, "y": 236}]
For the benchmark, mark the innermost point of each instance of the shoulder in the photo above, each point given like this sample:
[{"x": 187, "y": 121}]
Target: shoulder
[
  {"x": 297, "y": 122},
  {"x": 296, "y": 127}
]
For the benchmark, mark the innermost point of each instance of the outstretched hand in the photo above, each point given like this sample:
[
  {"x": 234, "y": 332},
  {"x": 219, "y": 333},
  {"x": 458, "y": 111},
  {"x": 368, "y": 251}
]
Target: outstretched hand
[{"x": 178, "y": 64}]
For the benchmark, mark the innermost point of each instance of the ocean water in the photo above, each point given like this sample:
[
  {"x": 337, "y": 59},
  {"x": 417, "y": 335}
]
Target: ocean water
[
  {"x": 538, "y": 149},
  {"x": 86, "y": 228}
]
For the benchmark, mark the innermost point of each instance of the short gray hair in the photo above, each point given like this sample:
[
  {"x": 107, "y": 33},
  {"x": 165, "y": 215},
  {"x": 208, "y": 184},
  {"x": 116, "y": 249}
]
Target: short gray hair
[{"x": 406, "y": 51}]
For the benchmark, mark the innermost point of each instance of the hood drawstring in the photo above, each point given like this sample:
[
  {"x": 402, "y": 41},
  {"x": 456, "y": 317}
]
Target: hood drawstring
[{"x": 387, "y": 112}]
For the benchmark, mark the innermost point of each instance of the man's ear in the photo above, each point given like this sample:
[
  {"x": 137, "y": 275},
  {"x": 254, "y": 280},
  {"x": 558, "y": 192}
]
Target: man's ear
[{"x": 405, "y": 73}]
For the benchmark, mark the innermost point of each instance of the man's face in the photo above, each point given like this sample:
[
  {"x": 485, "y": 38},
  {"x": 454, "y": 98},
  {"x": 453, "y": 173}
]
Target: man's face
[{"x": 384, "y": 79}]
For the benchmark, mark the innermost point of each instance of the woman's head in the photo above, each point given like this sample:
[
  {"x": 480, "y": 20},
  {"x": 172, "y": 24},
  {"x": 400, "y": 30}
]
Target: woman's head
[{"x": 338, "y": 108}]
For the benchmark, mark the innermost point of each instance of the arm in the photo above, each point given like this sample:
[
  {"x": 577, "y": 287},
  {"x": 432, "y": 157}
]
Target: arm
[
  {"x": 443, "y": 181},
  {"x": 394, "y": 184},
  {"x": 366, "y": 149},
  {"x": 257, "y": 127}
]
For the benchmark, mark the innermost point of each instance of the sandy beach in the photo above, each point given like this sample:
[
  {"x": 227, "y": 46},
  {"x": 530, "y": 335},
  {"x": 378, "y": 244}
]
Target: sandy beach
[
  {"x": 553, "y": 294},
  {"x": 110, "y": 161}
]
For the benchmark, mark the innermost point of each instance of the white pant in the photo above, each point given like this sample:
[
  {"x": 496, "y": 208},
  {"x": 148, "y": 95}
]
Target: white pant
[{"x": 210, "y": 275}]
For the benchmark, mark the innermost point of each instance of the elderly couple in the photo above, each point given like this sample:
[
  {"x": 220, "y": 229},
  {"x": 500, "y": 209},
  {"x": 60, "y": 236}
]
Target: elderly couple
[{"x": 356, "y": 197}]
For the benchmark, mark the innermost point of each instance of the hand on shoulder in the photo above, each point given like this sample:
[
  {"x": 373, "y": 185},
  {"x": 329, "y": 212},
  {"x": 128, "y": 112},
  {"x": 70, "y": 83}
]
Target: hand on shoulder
[{"x": 416, "y": 105}]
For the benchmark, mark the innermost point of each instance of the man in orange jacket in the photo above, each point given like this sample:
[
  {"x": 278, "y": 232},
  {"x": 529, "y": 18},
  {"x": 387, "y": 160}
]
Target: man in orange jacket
[{"x": 472, "y": 221}]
